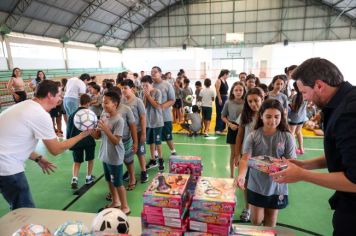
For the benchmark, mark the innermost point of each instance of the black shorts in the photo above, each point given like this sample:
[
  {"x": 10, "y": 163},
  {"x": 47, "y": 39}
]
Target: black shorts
[
  {"x": 231, "y": 136},
  {"x": 55, "y": 112},
  {"x": 271, "y": 202},
  {"x": 178, "y": 104},
  {"x": 78, "y": 154},
  {"x": 206, "y": 112},
  {"x": 167, "y": 131},
  {"x": 292, "y": 123}
]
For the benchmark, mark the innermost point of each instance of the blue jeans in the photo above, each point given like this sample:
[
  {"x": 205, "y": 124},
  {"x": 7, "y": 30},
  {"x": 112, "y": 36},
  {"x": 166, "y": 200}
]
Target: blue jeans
[
  {"x": 16, "y": 191},
  {"x": 70, "y": 105},
  {"x": 220, "y": 125}
]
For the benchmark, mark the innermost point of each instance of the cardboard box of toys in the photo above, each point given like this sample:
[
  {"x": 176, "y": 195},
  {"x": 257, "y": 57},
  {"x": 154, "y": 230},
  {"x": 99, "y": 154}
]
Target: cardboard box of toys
[
  {"x": 214, "y": 194},
  {"x": 167, "y": 190},
  {"x": 267, "y": 164},
  {"x": 185, "y": 165},
  {"x": 210, "y": 217}
]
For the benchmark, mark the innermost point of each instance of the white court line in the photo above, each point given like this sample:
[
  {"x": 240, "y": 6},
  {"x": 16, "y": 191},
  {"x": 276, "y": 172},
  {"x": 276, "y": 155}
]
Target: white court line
[{"x": 225, "y": 145}]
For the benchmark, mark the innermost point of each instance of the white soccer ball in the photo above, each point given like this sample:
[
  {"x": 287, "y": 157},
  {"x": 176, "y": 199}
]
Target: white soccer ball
[
  {"x": 110, "y": 220},
  {"x": 71, "y": 228},
  {"x": 32, "y": 230},
  {"x": 85, "y": 119},
  {"x": 186, "y": 109}
]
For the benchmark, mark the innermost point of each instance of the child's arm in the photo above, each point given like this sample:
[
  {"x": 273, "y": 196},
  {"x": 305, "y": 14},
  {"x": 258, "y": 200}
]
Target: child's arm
[
  {"x": 243, "y": 165},
  {"x": 238, "y": 146},
  {"x": 152, "y": 101},
  {"x": 114, "y": 139}
]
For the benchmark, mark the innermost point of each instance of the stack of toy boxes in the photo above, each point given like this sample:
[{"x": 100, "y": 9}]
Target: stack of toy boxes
[
  {"x": 267, "y": 164},
  {"x": 166, "y": 203},
  {"x": 213, "y": 206},
  {"x": 187, "y": 165}
]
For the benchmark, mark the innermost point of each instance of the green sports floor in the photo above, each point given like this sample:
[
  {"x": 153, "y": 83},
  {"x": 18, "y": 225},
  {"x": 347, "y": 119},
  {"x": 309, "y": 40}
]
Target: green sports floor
[{"x": 308, "y": 212}]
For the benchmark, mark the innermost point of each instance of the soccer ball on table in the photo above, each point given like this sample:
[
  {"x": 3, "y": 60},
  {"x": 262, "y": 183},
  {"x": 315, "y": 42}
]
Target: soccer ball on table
[
  {"x": 85, "y": 119},
  {"x": 110, "y": 220},
  {"x": 70, "y": 228},
  {"x": 32, "y": 230}
]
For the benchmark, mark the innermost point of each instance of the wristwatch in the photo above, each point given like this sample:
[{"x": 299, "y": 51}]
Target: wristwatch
[{"x": 37, "y": 159}]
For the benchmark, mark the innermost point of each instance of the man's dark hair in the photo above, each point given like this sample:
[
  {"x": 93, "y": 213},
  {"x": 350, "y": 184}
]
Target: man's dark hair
[
  {"x": 147, "y": 79},
  {"x": 207, "y": 82},
  {"x": 85, "y": 77},
  {"x": 128, "y": 83},
  {"x": 45, "y": 87},
  {"x": 198, "y": 83},
  {"x": 84, "y": 99},
  {"x": 318, "y": 69}
]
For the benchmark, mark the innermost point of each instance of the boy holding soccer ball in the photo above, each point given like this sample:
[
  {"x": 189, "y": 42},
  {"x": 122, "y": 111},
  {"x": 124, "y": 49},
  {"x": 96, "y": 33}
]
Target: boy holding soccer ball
[
  {"x": 86, "y": 145},
  {"x": 112, "y": 151}
]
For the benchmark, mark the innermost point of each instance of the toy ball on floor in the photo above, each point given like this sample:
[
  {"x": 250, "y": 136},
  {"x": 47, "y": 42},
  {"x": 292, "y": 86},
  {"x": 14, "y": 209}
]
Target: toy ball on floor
[
  {"x": 186, "y": 109},
  {"x": 189, "y": 98},
  {"x": 70, "y": 228},
  {"x": 110, "y": 220},
  {"x": 32, "y": 230},
  {"x": 85, "y": 119}
]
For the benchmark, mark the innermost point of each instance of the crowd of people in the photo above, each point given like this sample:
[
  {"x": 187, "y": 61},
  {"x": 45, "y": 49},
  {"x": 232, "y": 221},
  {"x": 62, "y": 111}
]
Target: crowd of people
[{"x": 137, "y": 110}]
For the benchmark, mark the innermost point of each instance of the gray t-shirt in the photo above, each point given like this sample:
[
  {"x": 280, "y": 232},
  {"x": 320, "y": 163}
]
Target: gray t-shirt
[
  {"x": 178, "y": 93},
  {"x": 196, "y": 121},
  {"x": 129, "y": 119},
  {"x": 97, "y": 109},
  {"x": 232, "y": 110},
  {"x": 109, "y": 153},
  {"x": 167, "y": 92},
  {"x": 138, "y": 109},
  {"x": 300, "y": 115},
  {"x": 248, "y": 128},
  {"x": 154, "y": 117},
  {"x": 282, "y": 98},
  {"x": 280, "y": 144}
]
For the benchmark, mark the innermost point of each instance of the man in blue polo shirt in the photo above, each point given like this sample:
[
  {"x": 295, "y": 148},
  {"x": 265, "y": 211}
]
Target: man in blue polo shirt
[{"x": 320, "y": 81}]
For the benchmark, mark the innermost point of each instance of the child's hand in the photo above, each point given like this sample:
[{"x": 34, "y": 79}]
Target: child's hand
[
  {"x": 240, "y": 182},
  {"x": 103, "y": 126},
  {"x": 143, "y": 137},
  {"x": 233, "y": 126}
]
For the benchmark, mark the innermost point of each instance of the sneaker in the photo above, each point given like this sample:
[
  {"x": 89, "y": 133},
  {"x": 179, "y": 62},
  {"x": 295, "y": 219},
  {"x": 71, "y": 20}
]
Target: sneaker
[
  {"x": 206, "y": 135},
  {"x": 218, "y": 132},
  {"x": 74, "y": 183},
  {"x": 245, "y": 215},
  {"x": 151, "y": 164},
  {"x": 90, "y": 180},
  {"x": 173, "y": 153},
  {"x": 125, "y": 177},
  {"x": 144, "y": 177},
  {"x": 161, "y": 165}
]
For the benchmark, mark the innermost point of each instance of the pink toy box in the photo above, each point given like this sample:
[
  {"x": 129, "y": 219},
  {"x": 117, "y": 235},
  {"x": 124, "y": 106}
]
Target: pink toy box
[
  {"x": 211, "y": 217},
  {"x": 167, "y": 190},
  {"x": 267, "y": 164},
  {"x": 185, "y": 165},
  {"x": 210, "y": 228},
  {"x": 214, "y": 194},
  {"x": 164, "y": 211},
  {"x": 179, "y": 223}
]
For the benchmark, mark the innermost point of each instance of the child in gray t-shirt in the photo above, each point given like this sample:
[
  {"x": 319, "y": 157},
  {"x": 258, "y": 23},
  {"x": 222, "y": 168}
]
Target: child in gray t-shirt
[
  {"x": 195, "y": 122},
  {"x": 271, "y": 137},
  {"x": 154, "y": 120},
  {"x": 110, "y": 129}
]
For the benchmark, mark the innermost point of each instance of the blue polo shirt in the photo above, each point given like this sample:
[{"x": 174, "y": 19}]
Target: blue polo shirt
[{"x": 340, "y": 141}]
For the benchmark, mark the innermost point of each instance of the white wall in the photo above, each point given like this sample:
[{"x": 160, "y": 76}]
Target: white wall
[
  {"x": 3, "y": 62},
  {"x": 168, "y": 59},
  {"x": 279, "y": 56}
]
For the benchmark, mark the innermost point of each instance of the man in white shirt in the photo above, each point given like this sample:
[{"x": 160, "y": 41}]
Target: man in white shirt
[
  {"x": 74, "y": 88},
  {"x": 22, "y": 126}
]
